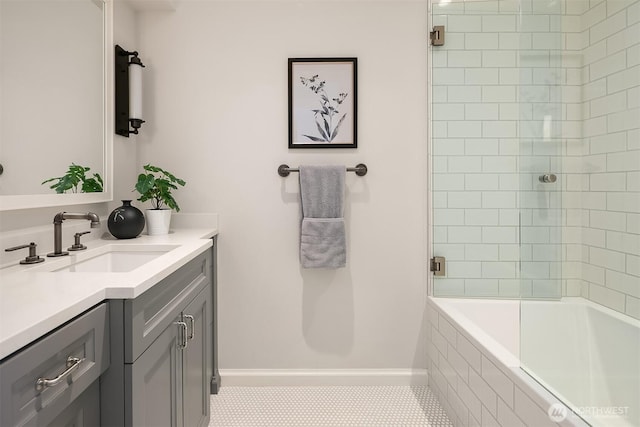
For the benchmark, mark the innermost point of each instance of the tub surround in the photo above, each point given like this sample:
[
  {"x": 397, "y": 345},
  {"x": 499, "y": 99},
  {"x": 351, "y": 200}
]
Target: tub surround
[
  {"x": 33, "y": 301},
  {"x": 474, "y": 377}
]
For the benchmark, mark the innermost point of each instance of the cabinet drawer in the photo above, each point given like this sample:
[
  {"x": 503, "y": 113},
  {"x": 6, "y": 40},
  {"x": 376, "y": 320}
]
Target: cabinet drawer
[
  {"x": 84, "y": 340},
  {"x": 148, "y": 315}
]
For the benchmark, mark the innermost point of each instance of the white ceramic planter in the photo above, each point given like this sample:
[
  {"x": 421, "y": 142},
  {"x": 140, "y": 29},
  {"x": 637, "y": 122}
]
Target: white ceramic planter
[{"x": 158, "y": 221}]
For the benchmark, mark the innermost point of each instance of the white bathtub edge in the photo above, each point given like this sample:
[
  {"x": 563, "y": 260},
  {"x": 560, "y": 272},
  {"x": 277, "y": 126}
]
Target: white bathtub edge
[
  {"x": 537, "y": 400},
  {"x": 458, "y": 395},
  {"x": 477, "y": 336}
]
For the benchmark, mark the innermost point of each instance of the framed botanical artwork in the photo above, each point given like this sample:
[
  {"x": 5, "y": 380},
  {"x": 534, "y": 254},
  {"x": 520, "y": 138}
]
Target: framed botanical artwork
[{"x": 323, "y": 102}]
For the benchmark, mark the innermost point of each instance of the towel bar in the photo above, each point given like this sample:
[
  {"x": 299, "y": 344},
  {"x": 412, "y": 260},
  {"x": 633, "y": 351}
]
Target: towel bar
[{"x": 360, "y": 170}]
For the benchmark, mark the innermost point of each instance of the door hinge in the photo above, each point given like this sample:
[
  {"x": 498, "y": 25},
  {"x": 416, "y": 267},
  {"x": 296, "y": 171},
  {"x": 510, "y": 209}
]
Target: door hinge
[
  {"x": 437, "y": 35},
  {"x": 438, "y": 265}
]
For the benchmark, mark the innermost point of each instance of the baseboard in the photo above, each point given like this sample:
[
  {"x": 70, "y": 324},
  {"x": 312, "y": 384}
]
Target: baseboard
[{"x": 323, "y": 377}]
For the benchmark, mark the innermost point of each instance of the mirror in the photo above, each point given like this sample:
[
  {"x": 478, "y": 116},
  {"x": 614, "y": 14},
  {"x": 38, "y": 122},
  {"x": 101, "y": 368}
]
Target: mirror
[{"x": 54, "y": 77}]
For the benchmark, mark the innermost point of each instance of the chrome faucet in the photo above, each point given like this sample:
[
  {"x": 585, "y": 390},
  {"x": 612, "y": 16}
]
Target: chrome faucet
[{"x": 57, "y": 228}]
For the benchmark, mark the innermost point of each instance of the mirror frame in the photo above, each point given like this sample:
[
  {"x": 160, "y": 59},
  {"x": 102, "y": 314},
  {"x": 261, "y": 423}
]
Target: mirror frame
[{"x": 14, "y": 202}]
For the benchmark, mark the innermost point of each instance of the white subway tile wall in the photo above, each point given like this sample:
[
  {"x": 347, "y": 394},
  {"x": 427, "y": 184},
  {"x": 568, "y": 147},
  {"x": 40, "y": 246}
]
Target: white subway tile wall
[
  {"x": 523, "y": 88},
  {"x": 498, "y": 109},
  {"x": 610, "y": 190}
]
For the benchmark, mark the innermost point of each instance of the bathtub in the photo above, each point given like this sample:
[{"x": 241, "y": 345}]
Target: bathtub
[{"x": 571, "y": 361}]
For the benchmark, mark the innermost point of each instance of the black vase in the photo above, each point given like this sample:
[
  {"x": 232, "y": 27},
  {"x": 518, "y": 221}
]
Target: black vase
[{"x": 126, "y": 222}]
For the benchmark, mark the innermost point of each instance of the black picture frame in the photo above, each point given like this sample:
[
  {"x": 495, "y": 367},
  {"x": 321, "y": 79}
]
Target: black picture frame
[{"x": 323, "y": 102}]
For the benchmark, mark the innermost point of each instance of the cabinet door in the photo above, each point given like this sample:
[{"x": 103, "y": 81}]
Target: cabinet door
[
  {"x": 149, "y": 314},
  {"x": 197, "y": 361},
  {"x": 83, "y": 412},
  {"x": 156, "y": 389}
]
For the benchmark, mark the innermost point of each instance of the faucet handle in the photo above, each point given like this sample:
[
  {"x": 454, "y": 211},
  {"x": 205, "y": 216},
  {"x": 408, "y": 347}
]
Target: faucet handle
[
  {"x": 32, "y": 258},
  {"x": 77, "y": 246}
]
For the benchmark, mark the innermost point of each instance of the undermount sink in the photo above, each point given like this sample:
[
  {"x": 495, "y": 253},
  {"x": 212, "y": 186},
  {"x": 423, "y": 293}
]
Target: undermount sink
[{"x": 116, "y": 259}]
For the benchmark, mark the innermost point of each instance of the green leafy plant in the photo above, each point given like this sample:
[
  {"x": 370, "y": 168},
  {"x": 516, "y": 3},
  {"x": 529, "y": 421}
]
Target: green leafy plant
[
  {"x": 77, "y": 176},
  {"x": 156, "y": 185}
]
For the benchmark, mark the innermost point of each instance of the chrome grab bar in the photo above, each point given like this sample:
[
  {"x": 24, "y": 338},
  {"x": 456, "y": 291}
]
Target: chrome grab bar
[{"x": 72, "y": 364}]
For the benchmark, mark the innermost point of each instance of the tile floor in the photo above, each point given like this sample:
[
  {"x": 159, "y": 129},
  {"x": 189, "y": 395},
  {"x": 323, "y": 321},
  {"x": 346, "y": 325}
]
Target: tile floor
[{"x": 337, "y": 406}]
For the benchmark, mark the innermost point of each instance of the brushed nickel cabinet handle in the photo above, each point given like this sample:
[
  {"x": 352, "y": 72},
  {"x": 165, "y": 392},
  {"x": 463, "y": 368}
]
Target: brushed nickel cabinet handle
[
  {"x": 192, "y": 323},
  {"x": 183, "y": 334},
  {"x": 72, "y": 364}
]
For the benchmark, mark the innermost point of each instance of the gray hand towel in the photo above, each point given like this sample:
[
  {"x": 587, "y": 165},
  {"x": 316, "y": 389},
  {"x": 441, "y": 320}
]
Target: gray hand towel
[{"x": 322, "y": 233}]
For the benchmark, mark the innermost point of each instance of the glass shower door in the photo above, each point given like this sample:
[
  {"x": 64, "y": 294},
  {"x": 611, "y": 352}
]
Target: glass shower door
[
  {"x": 496, "y": 127},
  {"x": 580, "y": 234},
  {"x": 535, "y": 165},
  {"x": 549, "y": 138}
]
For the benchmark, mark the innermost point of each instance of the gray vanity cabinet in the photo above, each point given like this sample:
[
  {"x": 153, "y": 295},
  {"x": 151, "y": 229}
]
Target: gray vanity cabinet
[
  {"x": 196, "y": 360},
  {"x": 54, "y": 381},
  {"x": 154, "y": 382},
  {"x": 82, "y": 412},
  {"x": 170, "y": 380},
  {"x": 161, "y": 374}
]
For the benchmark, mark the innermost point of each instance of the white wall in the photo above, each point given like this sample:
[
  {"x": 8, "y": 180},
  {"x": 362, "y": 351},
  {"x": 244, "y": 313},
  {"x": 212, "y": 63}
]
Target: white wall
[{"x": 216, "y": 98}]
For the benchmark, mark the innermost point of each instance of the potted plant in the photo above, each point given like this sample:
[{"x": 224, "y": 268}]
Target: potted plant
[
  {"x": 76, "y": 176},
  {"x": 156, "y": 184}
]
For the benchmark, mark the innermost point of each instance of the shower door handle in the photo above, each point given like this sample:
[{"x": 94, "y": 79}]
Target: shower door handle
[{"x": 548, "y": 178}]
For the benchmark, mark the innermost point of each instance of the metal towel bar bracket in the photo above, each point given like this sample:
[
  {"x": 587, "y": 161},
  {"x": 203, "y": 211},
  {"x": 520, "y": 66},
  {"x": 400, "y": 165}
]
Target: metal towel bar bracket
[{"x": 360, "y": 170}]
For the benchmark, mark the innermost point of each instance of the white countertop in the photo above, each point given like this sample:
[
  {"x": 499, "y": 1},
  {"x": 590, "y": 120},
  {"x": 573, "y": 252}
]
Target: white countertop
[{"x": 34, "y": 301}]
